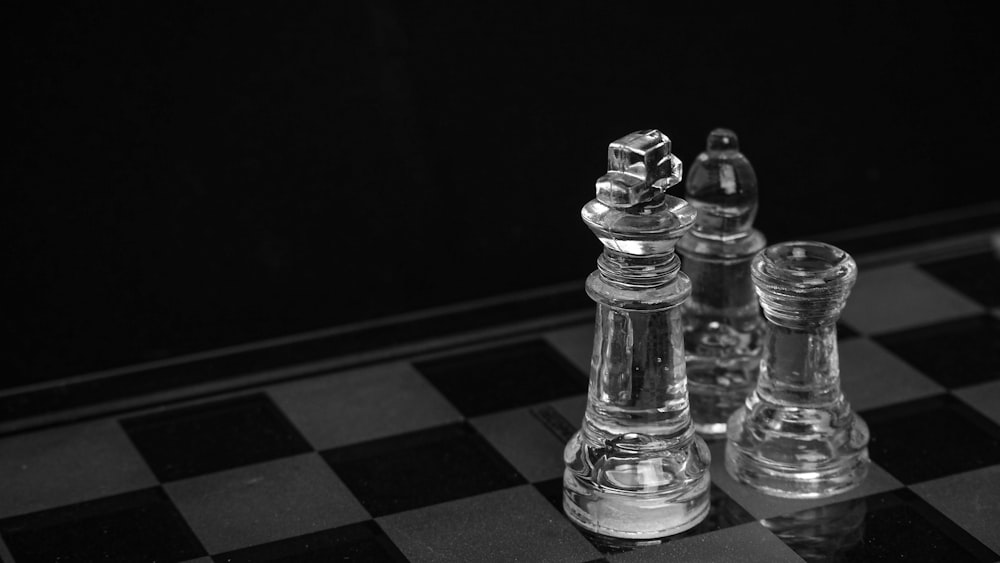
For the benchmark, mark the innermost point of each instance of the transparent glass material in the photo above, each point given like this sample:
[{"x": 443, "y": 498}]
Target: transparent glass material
[
  {"x": 636, "y": 469},
  {"x": 723, "y": 328},
  {"x": 796, "y": 435}
]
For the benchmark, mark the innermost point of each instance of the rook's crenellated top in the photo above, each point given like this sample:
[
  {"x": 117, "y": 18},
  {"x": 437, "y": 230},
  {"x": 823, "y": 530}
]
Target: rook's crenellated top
[{"x": 803, "y": 284}]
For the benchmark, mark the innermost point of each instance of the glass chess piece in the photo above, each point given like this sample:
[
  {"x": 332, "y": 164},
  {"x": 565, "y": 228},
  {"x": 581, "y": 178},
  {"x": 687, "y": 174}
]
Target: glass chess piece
[
  {"x": 796, "y": 435},
  {"x": 722, "y": 325},
  {"x": 636, "y": 469}
]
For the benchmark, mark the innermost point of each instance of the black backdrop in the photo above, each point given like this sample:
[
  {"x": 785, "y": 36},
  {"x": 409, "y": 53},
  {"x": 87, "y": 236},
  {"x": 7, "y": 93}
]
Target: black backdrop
[{"x": 187, "y": 178}]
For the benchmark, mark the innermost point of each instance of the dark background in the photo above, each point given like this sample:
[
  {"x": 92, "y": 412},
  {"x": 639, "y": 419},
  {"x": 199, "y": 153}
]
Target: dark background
[{"x": 187, "y": 178}]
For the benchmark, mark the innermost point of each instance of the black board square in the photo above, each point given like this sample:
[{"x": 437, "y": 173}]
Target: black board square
[
  {"x": 210, "y": 437},
  {"x": 822, "y": 533},
  {"x": 844, "y": 332},
  {"x": 930, "y": 438},
  {"x": 503, "y": 378},
  {"x": 421, "y": 468},
  {"x": 552, "y": 490},
  {"x": 892, "y": 526},
  {"x": 954, "y": 353},
  {"x": 364, "y": 541},
  {"x": 977, "y": 276},
  {"x": 137, "y": 526}
]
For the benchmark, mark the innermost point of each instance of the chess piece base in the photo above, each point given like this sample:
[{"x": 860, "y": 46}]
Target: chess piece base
[
  {"x": 797, "y": 452},
  {"x": 633, "y": 495}
]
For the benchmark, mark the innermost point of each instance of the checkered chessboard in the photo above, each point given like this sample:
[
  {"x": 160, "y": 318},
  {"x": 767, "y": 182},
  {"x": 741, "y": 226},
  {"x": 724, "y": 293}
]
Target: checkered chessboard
[{"x": 456, "y": 455}]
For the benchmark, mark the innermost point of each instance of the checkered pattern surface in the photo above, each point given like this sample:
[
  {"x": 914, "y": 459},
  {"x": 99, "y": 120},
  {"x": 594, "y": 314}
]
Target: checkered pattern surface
[{"x": 456, "y": 456}]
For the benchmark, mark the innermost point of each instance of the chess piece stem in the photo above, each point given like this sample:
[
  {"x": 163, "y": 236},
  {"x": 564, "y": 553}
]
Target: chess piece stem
[
  {"x": 796, "y": 435},
  {"x": 636, "y": 469}
]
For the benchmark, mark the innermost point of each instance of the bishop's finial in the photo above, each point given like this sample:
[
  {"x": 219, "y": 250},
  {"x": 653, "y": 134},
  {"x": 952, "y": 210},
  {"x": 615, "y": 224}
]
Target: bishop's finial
[{"x": 722, "y": 186}]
